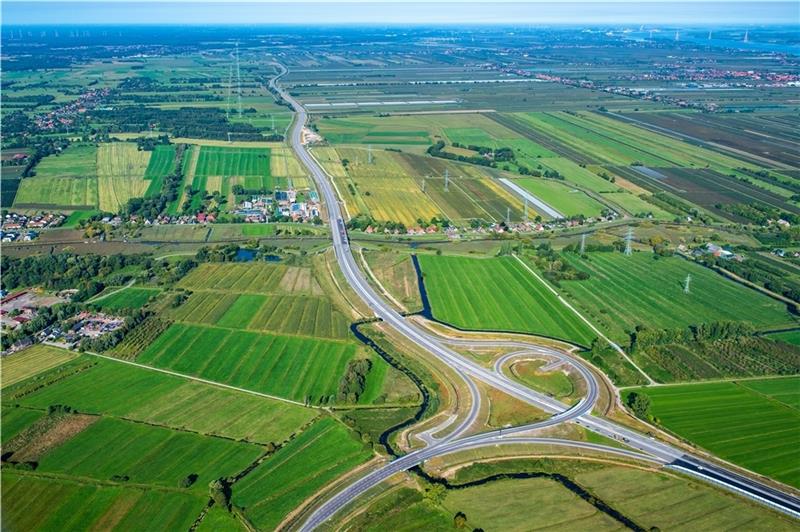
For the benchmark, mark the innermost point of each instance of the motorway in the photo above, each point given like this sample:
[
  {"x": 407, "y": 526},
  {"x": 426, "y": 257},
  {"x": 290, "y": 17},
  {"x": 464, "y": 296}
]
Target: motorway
[{"x": 644, "y": 447}]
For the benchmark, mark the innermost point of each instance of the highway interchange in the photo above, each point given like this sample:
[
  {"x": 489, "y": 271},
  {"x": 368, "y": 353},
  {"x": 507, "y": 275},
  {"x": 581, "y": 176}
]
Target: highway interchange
[{"x": 641, "y": 447}]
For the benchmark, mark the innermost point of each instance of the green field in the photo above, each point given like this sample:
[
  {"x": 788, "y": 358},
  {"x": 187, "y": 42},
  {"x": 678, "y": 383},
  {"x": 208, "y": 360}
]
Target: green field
[
  {"x": 402, "y": 509},
  {"x": 293, "y": 367},
  {"x": 34, "y": 503},
  {"x": 216, "y": 163},
  {"x": 636, "y": 205},
  {"x": 147, "y": 455},
  {"x": 526, "y": 504},
  {"x": 258, "y": 230},
  {"x": 623, "y": 292},
  {"x": 116, "y": 389},
  {"x": 162, "y": 163},
  {"x": 65, "y": 180},
  {"x": 133, "y": 298},
  {"x": 790, "y": 337},
  {"x": 319, "y": 455},
  {"x": 32, "y": 361},
  {"x": 289, "y": 314},
  {"x": 555, "y": 383},
  {"x": 258, "y": 278},
  {"x": 14, "y": 420},
  {"x": 497, "y": 294},
  {"x": 565, "y": 199},
  {"x": 752, "y": 423},
  {"x": 120, "y": 173},
  {"x": 76, "y": 217}
]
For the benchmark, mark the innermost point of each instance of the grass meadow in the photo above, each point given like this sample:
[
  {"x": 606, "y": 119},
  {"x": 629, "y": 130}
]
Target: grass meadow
[
  {"x": 623, "y": 292},
  {"x": 289, "y": 314},
  {"x": 36, "y": 503},
  {"x": 565, "y": 199},
  {"x": 139, "y": 394},
  {"x": 516, "y": 504},
  {"x": 65, "y": 180},
  {"x": 667, "y": 502},
  {"x": 752, "y": 423},
  {"x": 251, "y": 278},
  {"x": 497, "y": 294},
  {"x": 162, "y": 164},
  {"x": 134, "y": 297},
  {"x": 294, "y": 367},
  {"x": 147, "y": 455},
  {"x": 320, "y": 454}
]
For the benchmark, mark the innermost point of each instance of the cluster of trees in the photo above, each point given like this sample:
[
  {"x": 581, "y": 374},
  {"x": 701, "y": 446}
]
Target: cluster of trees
[
  {"x": 757, "y": 213},
  {"x": 239, "y": 190},
  {"x": 145, "y": 84},
  {"x": 760, "y": 273},
  {"x": 63, "y": 270},
  {"x": 362, "y": 221},
  {"x": 553, "y": 267},
  {"x": 108, "y": 340},
  {"x": 170, "y": 191},
  {"x": 150, "y": 143},
  {"x": 594, "y": 247},
  {"x": 502, "y": 154},
  {"x": 607, "y": 177},
  {"x": 642, "y": 337},
  {"x": 225, "y": 253},
  {"x": 195, "y": 122},
  {"x": 278, "y": 98},
  {"x": 639, "y": 404},
  {"x": 434, "y": 221},
  {"x": 354, "y": 380},
  {"x": 765, "y": 175},
  {"x": 28, "y": 102},
  {"x": 437, "y": 150},
  {"x": 676, "y": 206}
]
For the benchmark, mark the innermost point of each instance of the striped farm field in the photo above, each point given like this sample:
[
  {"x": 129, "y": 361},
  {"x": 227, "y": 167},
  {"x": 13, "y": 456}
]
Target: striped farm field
[
  {"x": 752, "y": 423},
  {"x": 287, "y": 314},
  {"x": 294, "y": 367},
  {"x": 281, "y": 483},
  {"x": 313, "y": 316},
  {"x": 120, "y": 173},
  {"x": 404, "y": 187},
  {"x": 147, "y": 455},
  {"x": 497, "y": 294},
  {"x": 204, "y": 307},
  {"x": 32, "y": 361},
  {"x": 623, "y": 292},
  {"x": 162, "y": 164},
  {"x": 217, "y": 164},
  {"x": 252, "y": 277},
  {"x": 36, "y": 503},
  {"x": 68, "y": 179},
  {"x": 140, "y": 394}
]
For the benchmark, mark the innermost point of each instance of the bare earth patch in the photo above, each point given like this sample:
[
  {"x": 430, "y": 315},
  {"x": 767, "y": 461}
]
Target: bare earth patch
[{"x": 62, "y": 430}]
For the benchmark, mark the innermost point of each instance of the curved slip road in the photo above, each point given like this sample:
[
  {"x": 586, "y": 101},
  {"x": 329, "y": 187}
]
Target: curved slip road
[{"x": 580, "y": 413}]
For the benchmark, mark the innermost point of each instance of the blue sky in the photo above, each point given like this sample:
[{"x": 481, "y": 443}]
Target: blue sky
[{"x": 394, "y": 12}]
